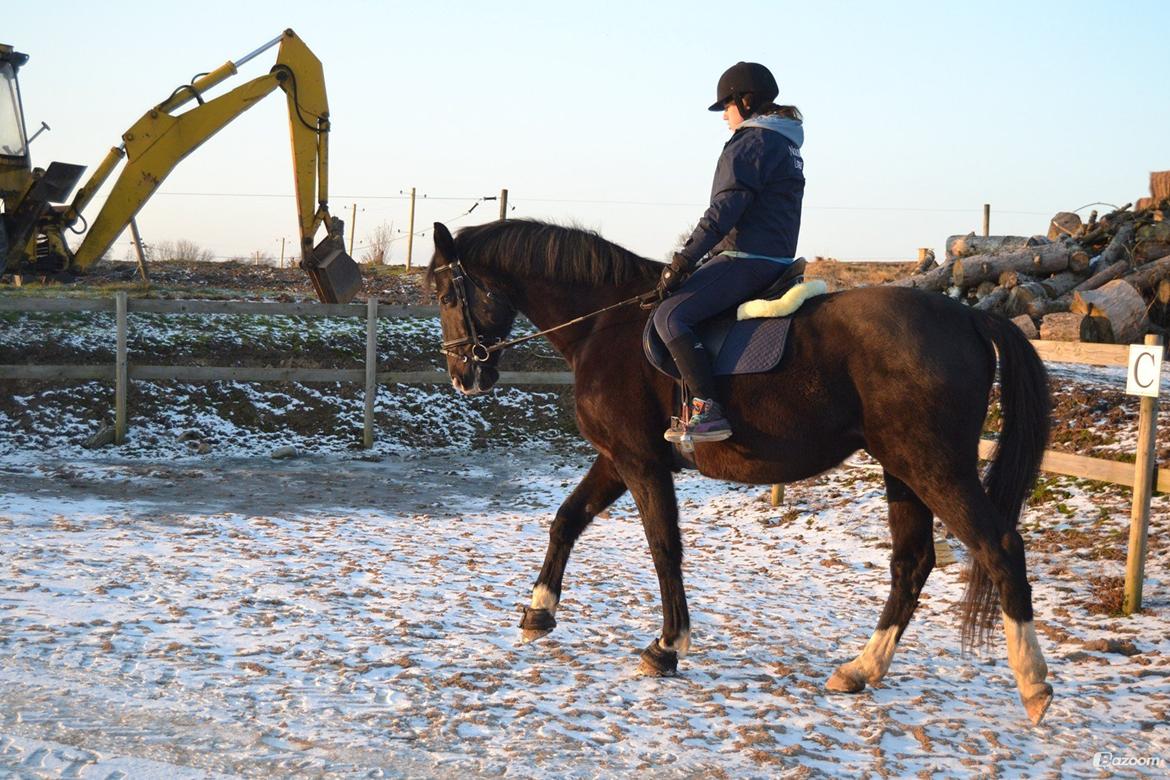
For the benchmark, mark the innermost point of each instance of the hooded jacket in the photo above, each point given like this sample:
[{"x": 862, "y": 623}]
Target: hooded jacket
[{"x": 757, "y": 192}]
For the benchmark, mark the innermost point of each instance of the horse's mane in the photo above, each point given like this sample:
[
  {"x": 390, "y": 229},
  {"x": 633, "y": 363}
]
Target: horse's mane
[{"x": 541, "y": 250}]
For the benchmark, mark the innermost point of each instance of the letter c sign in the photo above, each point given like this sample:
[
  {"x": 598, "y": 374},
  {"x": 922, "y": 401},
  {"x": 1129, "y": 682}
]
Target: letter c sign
[{"x": 1145, "y": 370}]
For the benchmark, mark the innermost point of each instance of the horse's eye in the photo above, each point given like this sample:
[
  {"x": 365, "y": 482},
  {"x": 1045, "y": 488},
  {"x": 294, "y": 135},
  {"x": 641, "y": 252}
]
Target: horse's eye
[{"x": 447, "y": 299}]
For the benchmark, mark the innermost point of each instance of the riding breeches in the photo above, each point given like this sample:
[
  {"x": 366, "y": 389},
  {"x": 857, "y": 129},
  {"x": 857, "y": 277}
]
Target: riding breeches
[{"x": 717, "y": 286}]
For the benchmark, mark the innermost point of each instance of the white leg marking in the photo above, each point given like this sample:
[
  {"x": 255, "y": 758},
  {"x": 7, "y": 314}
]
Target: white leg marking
[
  {"x": 543, "y": 598},
  {"x": 1027, "y": 663},
  {"x": 1024, "y": 655},
  {"x": 874, "y": 661},
  {"x": 869, "y": 667},
  {"x": 682, "y": 645}
]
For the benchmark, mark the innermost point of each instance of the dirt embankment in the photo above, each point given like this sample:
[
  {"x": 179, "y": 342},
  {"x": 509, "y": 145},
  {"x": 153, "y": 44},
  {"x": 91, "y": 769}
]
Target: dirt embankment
[
  {"x": 391, "y": 284},
  {"x": 1091, "y": 418},
  {"x": 247, "y": 281}
]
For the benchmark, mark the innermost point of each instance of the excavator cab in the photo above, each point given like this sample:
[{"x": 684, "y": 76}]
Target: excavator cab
[
  {"x": 12, "y": 138},
  {"x": 28, "y": 193},
  {"x": 14, "y": 163}
]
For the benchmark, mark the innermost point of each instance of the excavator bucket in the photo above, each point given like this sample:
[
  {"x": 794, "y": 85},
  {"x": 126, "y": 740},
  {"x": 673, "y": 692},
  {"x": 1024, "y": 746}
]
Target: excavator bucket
[{"x": 334, "y": 273}]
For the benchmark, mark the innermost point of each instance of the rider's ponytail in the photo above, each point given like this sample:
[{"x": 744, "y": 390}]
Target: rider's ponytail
[{"x": 771, "y": 109}]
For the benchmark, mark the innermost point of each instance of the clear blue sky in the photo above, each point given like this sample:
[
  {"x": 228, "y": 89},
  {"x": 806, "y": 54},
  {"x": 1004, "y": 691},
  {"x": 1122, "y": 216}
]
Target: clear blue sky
[{"x": 916, "y": 113}]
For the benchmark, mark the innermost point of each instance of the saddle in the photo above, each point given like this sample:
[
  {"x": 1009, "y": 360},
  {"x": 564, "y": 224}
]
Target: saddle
[{"x": 748, "y": 345}]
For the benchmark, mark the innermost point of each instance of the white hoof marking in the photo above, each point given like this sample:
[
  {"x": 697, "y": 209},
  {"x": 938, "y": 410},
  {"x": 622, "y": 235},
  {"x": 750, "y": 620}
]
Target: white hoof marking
[
  {"x": 681, "y": 646},
  {"x": 875, "y": 658},
  {"x": 543, "y": 598}
]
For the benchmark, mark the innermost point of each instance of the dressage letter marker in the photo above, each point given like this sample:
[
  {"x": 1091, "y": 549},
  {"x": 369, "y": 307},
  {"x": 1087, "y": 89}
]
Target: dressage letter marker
[
  {"x": 1145, "y": 365},
  {"x": 1145, "y": 370}
]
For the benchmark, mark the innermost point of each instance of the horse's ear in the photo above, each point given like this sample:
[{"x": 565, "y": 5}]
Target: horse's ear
[{"x": 444, "y": 243}]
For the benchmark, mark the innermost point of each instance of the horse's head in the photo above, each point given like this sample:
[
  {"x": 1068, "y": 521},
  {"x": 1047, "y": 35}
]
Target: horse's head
[{"x": 474, "y": 318}]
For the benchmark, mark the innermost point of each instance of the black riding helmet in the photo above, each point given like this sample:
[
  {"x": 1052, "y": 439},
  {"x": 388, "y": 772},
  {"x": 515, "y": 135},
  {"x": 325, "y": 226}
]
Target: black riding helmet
[{"x": 743, "y": 78}]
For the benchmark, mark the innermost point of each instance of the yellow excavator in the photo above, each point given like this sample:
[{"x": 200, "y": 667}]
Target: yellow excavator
[{"x": 35, "y": 215}]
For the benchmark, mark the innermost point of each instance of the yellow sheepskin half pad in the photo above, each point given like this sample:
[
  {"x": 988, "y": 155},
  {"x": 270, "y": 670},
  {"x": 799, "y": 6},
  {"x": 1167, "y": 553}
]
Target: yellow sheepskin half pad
[{"x": 785, "y": 304}]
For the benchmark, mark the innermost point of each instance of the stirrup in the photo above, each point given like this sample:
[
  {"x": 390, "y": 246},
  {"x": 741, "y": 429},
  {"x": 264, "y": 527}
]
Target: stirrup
[{"x": 677, "y": 431}]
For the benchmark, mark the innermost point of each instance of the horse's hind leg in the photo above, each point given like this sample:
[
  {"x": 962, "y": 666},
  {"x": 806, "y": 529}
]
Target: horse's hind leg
[
  {"x": 910, "y": 564},
  {"x": 600, "y": 488},
  {"x": 1000, "y": 560}
]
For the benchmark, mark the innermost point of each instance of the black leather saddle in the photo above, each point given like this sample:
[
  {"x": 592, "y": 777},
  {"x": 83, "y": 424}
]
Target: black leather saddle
[{"x": 735, "y": 346}]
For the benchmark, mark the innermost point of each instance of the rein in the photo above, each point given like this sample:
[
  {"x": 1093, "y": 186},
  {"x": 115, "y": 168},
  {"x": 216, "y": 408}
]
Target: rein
[{"x": 481, "y": 352}]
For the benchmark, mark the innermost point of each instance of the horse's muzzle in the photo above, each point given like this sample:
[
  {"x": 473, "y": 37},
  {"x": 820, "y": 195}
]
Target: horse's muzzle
[{"x": 482, "y": 380}]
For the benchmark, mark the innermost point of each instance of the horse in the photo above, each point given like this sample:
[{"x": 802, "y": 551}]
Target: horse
[{"x": 903, "y": 374}]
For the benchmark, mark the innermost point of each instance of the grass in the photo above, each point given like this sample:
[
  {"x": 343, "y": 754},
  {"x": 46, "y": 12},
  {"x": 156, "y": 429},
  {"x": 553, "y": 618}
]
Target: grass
[
  {"x": 382, "y": 271},
  {"x": 1108, "y": 595},
  {"x": 96, "y": 289},
  {"x": 840, "y": 275},
  {"x": 1047, "y": 491}
]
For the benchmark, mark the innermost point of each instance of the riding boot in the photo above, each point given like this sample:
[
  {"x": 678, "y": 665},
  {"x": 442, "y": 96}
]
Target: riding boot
[{"x": 707, "y": 422}]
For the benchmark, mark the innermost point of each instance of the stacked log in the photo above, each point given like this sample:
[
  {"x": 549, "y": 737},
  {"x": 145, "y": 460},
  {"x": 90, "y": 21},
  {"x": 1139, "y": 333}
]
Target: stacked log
[
  {"x": 1103, "y": 279},
  {"x": 1113, "y": 314}
]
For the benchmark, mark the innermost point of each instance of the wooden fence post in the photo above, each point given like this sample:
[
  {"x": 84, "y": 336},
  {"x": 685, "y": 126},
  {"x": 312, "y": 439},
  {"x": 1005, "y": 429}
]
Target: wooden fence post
[
  {"x": 121, "y": 377},
  {"x": 371, "y": 370},
  {"x": 410, "y": 232},
  {"x": 986, "y": 220},
  {"x": 503, "y": 204},
  {"x": 352, "y": 228},
  {"x": 139, "y": 251},
  {"x": 777, "y": 494},
  {"x": 1143, "y": 488}
]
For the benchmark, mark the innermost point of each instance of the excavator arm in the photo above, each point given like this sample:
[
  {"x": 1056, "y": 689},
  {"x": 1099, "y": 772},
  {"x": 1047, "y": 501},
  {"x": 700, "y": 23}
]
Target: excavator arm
[{"x": 161, "y": 138}]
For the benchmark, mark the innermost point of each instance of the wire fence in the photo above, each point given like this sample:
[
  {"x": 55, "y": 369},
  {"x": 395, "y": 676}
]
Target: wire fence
[{"x": 362, "y": 204}]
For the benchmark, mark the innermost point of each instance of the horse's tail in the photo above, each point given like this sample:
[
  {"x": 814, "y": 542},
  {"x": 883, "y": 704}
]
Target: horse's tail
[{"x": 1025, "y": 406}]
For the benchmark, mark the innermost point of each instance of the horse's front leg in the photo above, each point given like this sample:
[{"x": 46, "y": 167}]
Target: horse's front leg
[
  {"x": 652, "y": 487},
  {"x": 600, "y": 488}
]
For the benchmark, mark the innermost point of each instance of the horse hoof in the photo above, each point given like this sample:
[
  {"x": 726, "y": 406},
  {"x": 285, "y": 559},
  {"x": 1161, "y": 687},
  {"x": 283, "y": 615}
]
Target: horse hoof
[
  {"x": 536, "y": 623},
  {"x": 1037, "y": 704},
  {"x": 527, "y": 636},
  {"x": 658, "y": 662},
  {"x": 842, "y": 682}
]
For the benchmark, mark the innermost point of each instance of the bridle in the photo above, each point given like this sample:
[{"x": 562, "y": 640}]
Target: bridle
[{"x": 481, "y": 352}]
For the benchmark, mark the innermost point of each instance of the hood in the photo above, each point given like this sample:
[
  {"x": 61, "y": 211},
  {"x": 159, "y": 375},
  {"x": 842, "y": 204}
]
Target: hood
[{"x": 792, "y": 129}]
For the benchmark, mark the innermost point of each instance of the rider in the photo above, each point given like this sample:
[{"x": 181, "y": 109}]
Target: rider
[{"x": 750, "y": 230}]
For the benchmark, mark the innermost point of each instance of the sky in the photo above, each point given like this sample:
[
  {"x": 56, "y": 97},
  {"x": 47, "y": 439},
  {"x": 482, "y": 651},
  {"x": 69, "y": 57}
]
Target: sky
[{"x": 594, "y": 114}]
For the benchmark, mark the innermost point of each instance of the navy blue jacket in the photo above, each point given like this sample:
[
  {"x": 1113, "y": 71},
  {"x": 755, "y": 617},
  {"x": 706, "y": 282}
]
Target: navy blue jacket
[{"x": 757, "y": 192}]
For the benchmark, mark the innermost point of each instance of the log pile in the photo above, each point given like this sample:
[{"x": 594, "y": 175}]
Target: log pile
[{"x": 1104, "y": 280}]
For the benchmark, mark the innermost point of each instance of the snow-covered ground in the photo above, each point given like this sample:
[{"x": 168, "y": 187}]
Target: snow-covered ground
[
  {"x": 185, "y": 606},
  {"x": 330, "y": 616}
]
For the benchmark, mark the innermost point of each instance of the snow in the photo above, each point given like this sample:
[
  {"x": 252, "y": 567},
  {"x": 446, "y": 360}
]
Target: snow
[
  {"x": 342, "y": 618},
  {"x": 165, "y": 613}
]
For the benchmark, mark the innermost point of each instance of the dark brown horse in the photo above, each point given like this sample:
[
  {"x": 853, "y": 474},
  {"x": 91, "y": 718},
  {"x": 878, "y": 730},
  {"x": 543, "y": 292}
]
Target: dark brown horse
[{"x": 902, "y": 374}]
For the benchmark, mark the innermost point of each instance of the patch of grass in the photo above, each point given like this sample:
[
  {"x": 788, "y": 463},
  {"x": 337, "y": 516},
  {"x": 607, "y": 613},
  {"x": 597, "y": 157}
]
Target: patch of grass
[
  {"x": 1081, "y": 439},
  {"x": 381, "y": 271},
  {"x": 840, "y": 275},
  {"x": 1107, "y": 596},
  {"x": 1047, "y": 490},
  {"x": 994, "y": 420}
]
